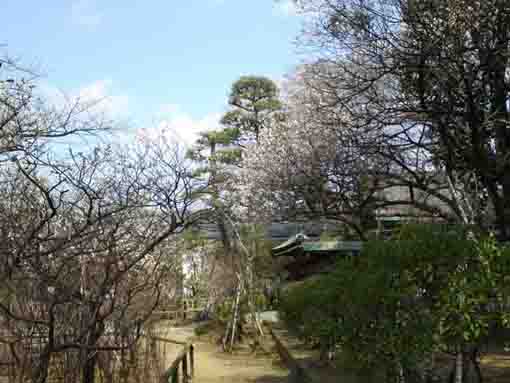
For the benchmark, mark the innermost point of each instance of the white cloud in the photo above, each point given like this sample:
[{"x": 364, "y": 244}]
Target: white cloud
[
  {"x": 100, "y": 99},
  {"x": 96, "y": 98},
  {"x": 178, "y": 125},
  {"x": 286, "y": 8},
  {"x": 85, "y": 13}
]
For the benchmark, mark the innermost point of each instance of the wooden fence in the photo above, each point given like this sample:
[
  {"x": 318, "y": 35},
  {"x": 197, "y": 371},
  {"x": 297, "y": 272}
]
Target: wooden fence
[
  {"x": 186, "y": 310},
  {"x": 185, "y": 362}
]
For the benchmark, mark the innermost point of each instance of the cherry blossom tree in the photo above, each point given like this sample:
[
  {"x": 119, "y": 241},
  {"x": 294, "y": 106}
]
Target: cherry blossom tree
[
  {"x": 423, "y": 77},
  {"x": 317, "y": 162}
]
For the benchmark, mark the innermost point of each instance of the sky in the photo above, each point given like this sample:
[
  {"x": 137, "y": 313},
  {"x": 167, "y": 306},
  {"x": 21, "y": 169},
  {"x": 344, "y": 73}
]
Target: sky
[{"x": 155, "y": 63}]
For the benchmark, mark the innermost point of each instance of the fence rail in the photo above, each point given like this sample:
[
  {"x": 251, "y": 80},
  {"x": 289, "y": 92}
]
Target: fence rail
[
  {"x": 186, "y": 361},
  {"x": 186, "y": 309}
]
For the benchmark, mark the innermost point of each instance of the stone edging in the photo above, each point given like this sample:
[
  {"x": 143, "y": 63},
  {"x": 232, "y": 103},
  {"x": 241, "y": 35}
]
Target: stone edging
[{"x": 298, "y": 373}]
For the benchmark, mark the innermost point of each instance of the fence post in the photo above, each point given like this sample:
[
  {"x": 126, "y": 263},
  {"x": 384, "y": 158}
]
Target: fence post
[
  {"x": 185, "y": 368},
  {"x": 175, "y": 378},
  {"x": 191, "y": 361},
  {"x": 188, "y": 370}
]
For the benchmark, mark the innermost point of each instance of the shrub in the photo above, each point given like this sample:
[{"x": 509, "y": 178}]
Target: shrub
[{"x": 401, "y": 301}]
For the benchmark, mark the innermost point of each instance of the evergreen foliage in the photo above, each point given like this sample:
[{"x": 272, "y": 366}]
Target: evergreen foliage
[{"x": 403, "y": 301}]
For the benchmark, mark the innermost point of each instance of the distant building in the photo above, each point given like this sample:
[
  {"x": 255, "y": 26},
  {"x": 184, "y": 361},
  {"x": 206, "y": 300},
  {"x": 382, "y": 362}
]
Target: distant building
[{"x": 303, "y": 258}]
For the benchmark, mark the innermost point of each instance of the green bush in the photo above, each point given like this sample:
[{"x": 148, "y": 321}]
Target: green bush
[{"x": 401, "y": 301}]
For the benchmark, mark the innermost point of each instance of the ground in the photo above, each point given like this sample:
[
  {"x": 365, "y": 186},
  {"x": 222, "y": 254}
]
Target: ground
[{"x": 214, "y": 366}]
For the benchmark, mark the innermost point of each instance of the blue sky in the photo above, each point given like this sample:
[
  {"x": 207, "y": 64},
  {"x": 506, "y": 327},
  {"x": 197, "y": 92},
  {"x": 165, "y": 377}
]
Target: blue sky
[{"x": 160, "y": 62}]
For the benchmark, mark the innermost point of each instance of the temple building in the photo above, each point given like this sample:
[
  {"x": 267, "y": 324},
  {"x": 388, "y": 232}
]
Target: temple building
[{"x": 302, "y": 258}]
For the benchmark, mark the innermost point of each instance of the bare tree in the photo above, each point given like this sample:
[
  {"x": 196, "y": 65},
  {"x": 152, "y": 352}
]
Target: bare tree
[{"x": 82, "y": 236}]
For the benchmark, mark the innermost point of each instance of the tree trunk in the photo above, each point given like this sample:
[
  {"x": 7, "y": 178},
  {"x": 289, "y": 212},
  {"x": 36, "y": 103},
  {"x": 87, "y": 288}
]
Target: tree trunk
[
  {"x": 90, "y": 357},
  {"x": 472, "y": 371},
  {"x": 504, "y": 215},
  {"x": 236, "y": 313},
  {"x": 250, "y": 291},
  {"x": 89, "y": 369},
  {"x": 41, "y": 372},
  {"x": 499, "y": 112},
  {"x": 459, "y": 366},
  {"x": 105, "y": 363},
  {"x": 400, "y": 373}
]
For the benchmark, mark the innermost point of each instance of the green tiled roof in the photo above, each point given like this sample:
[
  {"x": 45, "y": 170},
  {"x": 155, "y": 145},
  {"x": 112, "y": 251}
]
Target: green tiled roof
[
  {"x": 298, "y": 245},
  {"x": 328, "y": 246},
  {"x": 291, "y": 242}
]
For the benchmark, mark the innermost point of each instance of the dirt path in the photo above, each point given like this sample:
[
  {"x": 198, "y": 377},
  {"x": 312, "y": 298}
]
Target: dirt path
[{"x": 214, "y": 366}]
